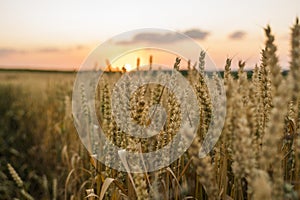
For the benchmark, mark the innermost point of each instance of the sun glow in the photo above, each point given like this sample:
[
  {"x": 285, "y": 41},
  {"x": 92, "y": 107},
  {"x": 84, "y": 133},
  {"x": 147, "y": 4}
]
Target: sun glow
[
  {"x": 143, "y": 58},
  {"x": 129, "y": 67}
]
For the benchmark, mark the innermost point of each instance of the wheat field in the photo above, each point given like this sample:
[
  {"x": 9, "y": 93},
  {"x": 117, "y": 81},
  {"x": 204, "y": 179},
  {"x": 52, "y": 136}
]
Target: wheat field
[{"x": 256, "y": 157}]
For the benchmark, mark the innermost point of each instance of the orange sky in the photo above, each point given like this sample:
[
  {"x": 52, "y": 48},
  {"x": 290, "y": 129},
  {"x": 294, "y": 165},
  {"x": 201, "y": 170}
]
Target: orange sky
[
  {"x": 61, "y": 34},
  {"x": 72, "y": 57}
]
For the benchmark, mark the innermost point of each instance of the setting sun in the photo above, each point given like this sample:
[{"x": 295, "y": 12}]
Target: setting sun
[{"x": 129, "y": 67}]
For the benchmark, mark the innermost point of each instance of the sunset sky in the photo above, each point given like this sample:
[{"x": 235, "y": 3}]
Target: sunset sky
[{"x": 61, "y": 34}]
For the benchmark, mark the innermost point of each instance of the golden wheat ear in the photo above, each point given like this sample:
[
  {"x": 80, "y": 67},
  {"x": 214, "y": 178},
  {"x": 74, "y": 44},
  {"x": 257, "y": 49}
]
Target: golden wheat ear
[{"x": 19, "y": 182}]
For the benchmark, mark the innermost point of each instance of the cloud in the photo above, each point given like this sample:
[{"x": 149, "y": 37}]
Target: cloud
[
  {"x": 55, "y": 50},
  {"x": 14, "y": 51},
  {"x": 10, "y": 51},
  {"x": 237, "y": 35},
  {"x": 48, "y": 50},
  {"x": 80, "y": 47},
  {"x": 165, "y": 38},
  {"x": 197, "y": 34}
]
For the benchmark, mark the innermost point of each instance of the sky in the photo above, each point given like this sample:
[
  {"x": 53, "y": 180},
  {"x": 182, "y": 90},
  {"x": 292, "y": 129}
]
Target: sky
[{"x": 61, "y": 34}]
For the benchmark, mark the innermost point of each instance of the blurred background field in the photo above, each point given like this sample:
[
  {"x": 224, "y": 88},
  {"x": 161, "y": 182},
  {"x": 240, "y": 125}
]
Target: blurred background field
[{"x": 35, "y": 126}]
